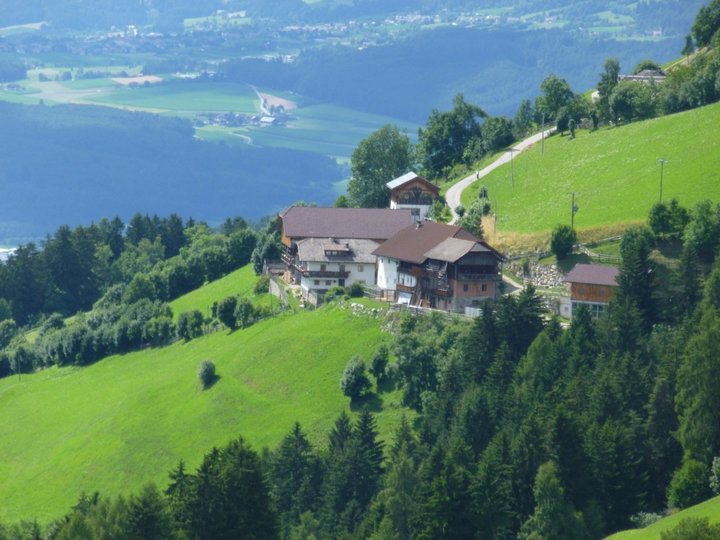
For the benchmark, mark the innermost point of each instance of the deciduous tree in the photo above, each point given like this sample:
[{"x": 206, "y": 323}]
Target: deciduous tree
[{"x": 383, "y": 156}]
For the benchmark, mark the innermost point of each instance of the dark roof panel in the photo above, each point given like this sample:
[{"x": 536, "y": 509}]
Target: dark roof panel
[
  {"x": 412, "y": 243},
  {"x": 593, "y": 274},
  {"x": 368, "y": 223}
]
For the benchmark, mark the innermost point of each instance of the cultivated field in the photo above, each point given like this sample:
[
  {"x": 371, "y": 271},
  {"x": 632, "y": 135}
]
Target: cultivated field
[
  {"x": 128, "y": 419},
  {"x": 613, "y": 172},
  {"x": 320, "y": 128}
]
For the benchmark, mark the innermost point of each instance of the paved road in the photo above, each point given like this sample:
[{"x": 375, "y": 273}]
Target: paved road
[{"x": 452, "y": 197}]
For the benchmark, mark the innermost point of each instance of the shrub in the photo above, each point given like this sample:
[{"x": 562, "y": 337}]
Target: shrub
[
  {"x": 562, "y": 241},
  {"x": 715, "y": 476},
  {"x": 379, "y": 363},
  {"x": 689, "y": 485},
  {"x": 335, "y": 293},
  {"x": 262, "y": 285},
  {"x": 694, "y": 528},
  {"x": 189, "y": 324},
  {"x": 354, "y": 382},
  {"x": 226, "y": 311},
  {"x": 245, "y": 313},
  {"x": 356, "y": 290},
  {"x": 206, "y": 374}
]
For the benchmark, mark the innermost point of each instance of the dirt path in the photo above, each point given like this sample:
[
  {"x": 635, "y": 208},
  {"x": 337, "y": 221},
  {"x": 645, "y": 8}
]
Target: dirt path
[{"x": 453, "y": 194}]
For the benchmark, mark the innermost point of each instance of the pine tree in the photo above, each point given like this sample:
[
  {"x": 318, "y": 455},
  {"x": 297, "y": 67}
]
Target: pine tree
[
  {"x": 295, "y": 476},
  {"x": 148, "y": 516},
  {"x": 553, "y": 518}
]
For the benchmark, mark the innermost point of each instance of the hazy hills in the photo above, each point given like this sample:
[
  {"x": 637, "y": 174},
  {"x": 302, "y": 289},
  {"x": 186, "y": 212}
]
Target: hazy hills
[{"x": 493, "y": 68}]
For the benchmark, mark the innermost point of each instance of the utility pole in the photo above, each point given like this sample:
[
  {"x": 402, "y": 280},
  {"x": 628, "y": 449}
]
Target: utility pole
[{"x": 662, "y": 163}]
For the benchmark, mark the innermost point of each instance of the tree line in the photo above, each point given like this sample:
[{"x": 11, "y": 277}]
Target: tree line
[{"x": 118, "y": 280}]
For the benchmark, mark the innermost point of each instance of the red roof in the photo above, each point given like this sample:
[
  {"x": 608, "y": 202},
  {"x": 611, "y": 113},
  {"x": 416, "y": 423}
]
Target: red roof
[
  {"x": 593, "y": 274},
  {"x": 412, "y": 243},
  {"x": 363, "y": 223}
]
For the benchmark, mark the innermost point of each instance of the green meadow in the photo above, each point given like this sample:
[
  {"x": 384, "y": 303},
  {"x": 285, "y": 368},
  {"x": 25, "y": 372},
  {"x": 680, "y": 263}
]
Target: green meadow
[
  {"x": 709, "y": 509},
  {"x": 183, "y": 96},
  {"x": 322, "y": 128},
  {"x": 128, "y": 419},
  {"x": 614, "y": 173},
  {"x": 239, "y": 283},
  {"x": 314, "y": 127}
]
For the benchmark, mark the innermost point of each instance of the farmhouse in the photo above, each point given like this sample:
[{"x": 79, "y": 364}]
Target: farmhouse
[
  {"x": 438, "y": 266},
  {"x": 325, "y": 247},
  {"x": 414, "y": 192},
  {"x": 593, "y": 285},
  {"x": 323, "y": 263}
]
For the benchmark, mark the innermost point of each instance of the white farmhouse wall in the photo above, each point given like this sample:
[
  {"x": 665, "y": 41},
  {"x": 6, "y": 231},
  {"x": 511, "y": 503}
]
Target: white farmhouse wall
[
  {"x": 422, "y": 213},
  {"x": 387, "y": 273},
  {"x": 365, "y": 273}
]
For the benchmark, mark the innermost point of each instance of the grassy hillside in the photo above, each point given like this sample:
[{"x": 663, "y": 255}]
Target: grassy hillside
[
  {"x": 239, "y": 283},
  {"x": 614, "y": 173},
  {"x": 128, "y": 419},
  {"x": 709, "y": 509}
]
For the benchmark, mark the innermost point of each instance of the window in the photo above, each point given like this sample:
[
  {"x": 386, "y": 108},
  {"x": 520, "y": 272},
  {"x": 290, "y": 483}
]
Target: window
[
  {"x": 322, "y": 267},
  {"x": 317, "y": 282},
  {"x": 361, "y": 268},
  {"x": 484, "y": 287},
  {"x": 328, "y": 282},
  {"x": 342, "y": 267},
  {"x": 465, "y": 287},
  {"x": 415, "y": 212}
]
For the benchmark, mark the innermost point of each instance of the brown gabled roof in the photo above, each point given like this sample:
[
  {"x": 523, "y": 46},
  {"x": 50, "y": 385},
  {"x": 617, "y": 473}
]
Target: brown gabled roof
[
  {"x": 412, "y": 243},
  {"x": 368, "y": 223},
  {"x": 593, "y": 274}
]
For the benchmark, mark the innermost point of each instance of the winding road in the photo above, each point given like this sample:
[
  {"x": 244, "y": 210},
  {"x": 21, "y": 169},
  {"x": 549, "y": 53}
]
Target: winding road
[{"x": 452, "y": 196}]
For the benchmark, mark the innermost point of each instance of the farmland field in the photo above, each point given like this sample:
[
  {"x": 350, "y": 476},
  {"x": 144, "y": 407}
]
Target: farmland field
[
  {"x": 128, "y": 419},
  {"x": 613, "y": 172},
  {"x": 325, "y": 129},
  {"x": 319, "y": 128},
  {"x": 194, "y": 96}
]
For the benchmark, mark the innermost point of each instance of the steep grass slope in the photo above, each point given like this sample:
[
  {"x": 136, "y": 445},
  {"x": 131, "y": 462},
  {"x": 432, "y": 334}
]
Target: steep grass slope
[
  {"x": 128, "y": 419},
  {"x": 613, "y": 172},
  {"x": 709, "y": 509}
]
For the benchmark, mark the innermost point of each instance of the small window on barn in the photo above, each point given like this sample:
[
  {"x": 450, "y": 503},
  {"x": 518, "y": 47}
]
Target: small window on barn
[
  {"x": 322, "y": 267},
  {"x": 465, "y": 287},
  {"x": 484, "y": 287}
]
